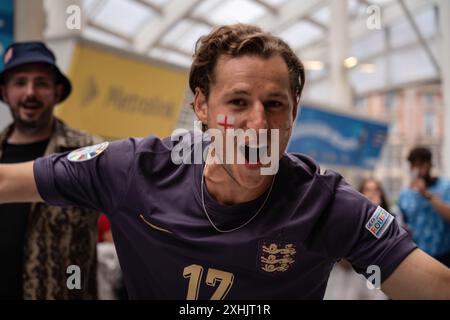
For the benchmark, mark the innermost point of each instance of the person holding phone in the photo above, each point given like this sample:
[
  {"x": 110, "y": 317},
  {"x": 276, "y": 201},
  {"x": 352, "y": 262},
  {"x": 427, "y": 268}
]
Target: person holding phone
[{"x": 425, "y": 206}]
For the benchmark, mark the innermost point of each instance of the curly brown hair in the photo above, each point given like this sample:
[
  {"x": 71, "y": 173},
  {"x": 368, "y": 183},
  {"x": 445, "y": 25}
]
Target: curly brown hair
[{"x": 239, "y": 40}]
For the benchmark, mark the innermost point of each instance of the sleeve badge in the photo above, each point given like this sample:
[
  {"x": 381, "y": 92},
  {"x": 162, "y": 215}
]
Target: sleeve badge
[
  {"x": 379, "y": 222},
  {"x": 87, "y": 153}
]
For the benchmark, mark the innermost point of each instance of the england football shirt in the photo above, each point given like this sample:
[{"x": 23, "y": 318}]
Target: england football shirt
[{"x": 168, "y": 249}]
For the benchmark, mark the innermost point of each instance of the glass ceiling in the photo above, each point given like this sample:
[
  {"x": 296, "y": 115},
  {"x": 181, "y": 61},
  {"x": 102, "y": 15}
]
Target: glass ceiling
[{"x": 168, "y": 29}]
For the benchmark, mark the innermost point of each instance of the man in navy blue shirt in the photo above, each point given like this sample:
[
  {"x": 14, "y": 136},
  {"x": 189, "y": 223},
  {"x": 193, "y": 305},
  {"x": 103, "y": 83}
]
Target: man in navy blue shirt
[{"x": 224, "y": 229}]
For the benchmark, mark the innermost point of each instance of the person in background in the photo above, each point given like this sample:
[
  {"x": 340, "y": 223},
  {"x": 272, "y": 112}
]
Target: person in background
[
  {"x": 425, "y": 206},
  {"x": 344, "y": 283},
  {"x": 38, "y": 242},
  {"x": 104, "y": 229},
  {"x": 371, "y": 188},
  {"x": 109, "y": 274}
]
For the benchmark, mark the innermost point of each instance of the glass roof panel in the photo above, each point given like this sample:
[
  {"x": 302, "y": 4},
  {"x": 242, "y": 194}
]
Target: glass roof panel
[
  {"x": 427, "y": 20},
  {"x": 230, "y": 11},
  {"x": 403, "y": 60},
  {"x": 89, "y": 5},
  {"x": 206, "y": 6},
  {"x": 301, "y": 34},
  {"x": 322, "y": 15},
  {"x": 318, "y": 92},
  {"x": 313, "y": 75},
  {"x": 364, "y": 81},
  {"x": 371, "y": 44},
  {"x": 356, "y": 8},
  {"x": 184, "y": 35},
  {"x": 117, "y": 22},
  {"x": 402, "y": 32},
  {"x": 115, "y": 15}
]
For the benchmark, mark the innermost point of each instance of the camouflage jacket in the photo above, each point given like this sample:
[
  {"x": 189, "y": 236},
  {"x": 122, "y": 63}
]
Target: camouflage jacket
[{"x": 59, "y": 237}]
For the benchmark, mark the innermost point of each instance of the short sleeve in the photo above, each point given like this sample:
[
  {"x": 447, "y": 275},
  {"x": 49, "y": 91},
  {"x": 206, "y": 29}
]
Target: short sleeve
[
  {"x": 67, "y": 179},
  {"x": 364, "y": 234}
]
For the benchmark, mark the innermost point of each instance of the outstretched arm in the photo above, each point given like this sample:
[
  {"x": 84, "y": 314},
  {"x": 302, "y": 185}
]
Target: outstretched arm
[
  {"x": 419, "y": 276},
  {"x": 17, "y": 183}
]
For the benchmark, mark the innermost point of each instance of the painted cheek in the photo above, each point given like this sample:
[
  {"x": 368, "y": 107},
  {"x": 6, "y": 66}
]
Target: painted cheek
[{"x": 225, "y": 121}]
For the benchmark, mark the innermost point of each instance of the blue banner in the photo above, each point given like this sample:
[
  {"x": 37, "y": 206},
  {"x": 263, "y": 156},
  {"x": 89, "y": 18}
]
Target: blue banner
[
  {"x": 335, "y": 139},
  {"x": 6, "y": 26}
]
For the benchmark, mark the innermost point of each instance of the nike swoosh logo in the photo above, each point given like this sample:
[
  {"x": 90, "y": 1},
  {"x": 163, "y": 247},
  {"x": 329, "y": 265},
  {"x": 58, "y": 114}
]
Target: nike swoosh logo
[{"x": 153, "y": 226}]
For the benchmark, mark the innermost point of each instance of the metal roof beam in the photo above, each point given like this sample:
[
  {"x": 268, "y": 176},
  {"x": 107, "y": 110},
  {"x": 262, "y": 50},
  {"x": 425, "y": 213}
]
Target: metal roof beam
[
  {"x": 200, "y": 20},
  {"x": 289, "y": 13},
  {"x": 420, "y": 37},
  {"x": 272, "y": 9},
  {"x": 122, "y": 36},
  {"x": 155, "y": 29},
  {"x": 150, "y": 6},
  {"x": 316, "y": 23}
]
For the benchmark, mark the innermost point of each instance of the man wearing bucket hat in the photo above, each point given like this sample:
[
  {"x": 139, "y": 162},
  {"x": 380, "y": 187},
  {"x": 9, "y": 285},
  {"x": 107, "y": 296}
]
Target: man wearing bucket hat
[{"x": 39, "y": 242}]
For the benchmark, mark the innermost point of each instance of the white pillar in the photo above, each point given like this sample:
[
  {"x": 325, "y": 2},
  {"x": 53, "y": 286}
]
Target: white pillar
[
  {"x": 341, "y": 95},
  {"x": 29, "y": 20},
  {"x": 444, "y": 18},
  {"x": 60, "y": 16},
  {"x": 65, "y": 22}
]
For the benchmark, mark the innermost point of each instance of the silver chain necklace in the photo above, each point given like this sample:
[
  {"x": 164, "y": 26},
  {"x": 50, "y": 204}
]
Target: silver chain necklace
[{"x": 242, "y": 225}]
